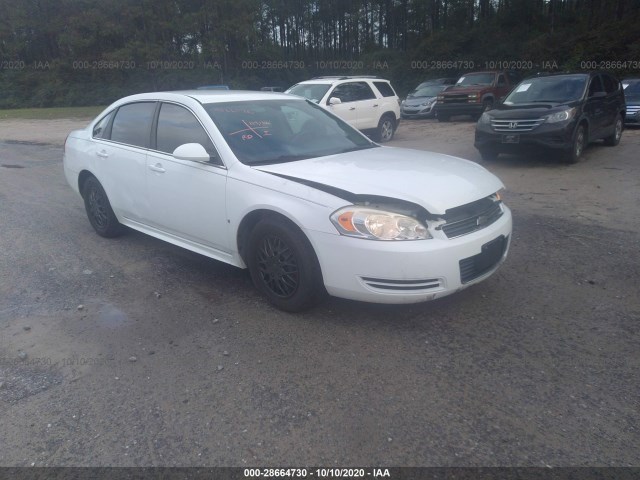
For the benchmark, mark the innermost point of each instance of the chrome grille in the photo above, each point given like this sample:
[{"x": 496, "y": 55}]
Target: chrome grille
[
  {"x": 472, "y": 217},
  {"x": 456, "y": 98},
  {"x": 632, "y": 110},
  {"x": 514, "y": 126}
]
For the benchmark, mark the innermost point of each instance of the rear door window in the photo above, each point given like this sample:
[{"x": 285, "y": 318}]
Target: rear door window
[
  {"x": 100, "y": 130},
  {"x": 610, "y": 84},
  {"x": 132, "y": 124},
  {"x": 595, "y": 86},
  {"x": 353, "y": 91}
]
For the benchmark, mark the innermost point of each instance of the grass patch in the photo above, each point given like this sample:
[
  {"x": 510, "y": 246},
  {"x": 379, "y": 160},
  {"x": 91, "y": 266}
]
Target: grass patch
[{"x": 50, "y": 113}]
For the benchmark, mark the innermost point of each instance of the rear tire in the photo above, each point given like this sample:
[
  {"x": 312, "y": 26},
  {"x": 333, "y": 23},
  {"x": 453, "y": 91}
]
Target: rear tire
[
  {"x": 614, "y": 139},
  {"x": 99, "y": 210},
  {"x": 487, "y": 104},
  {"x": 386, "y": 128},
  {"x": 284, "y": 266}
]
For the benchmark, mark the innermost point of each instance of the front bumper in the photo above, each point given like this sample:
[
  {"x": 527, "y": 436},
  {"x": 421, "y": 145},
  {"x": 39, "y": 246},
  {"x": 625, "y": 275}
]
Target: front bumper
[
  {"x": 408, "y": 271},
  {"x": 451, "y": 109},
  {"x": 418, "y": 111},
  {"x": 632, "y": 116},
  {"x": 552, "y": 136}
]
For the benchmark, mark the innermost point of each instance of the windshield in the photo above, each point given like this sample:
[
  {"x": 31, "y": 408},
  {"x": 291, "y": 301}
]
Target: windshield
[
  {"x": 428, "y": 91},
  {"x": 476, "y": 79},
  {"x": 310, "y": 91},
  {"x": 631, "y": 87},
  {"x": 262, "y": 132},
  {"x": 556, "y": 89}
]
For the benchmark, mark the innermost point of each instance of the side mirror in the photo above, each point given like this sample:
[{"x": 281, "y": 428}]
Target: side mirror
[
  {"x": 193, "y": 152},
  {"x": 600, "y": 94},
  {"x": 335, "y": 101}
]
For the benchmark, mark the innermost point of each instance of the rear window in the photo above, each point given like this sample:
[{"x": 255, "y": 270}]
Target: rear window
[{"x": 385, "y": 89}]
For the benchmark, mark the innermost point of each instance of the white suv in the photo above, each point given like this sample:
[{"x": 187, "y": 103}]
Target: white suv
[{"x": 368, "y": 103}]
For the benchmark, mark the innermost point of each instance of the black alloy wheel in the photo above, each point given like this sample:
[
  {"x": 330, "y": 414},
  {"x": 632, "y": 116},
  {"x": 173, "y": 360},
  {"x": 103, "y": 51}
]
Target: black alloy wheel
[
  {"x": 284, "y": 266},
  {"x": 99, "y": 210}
]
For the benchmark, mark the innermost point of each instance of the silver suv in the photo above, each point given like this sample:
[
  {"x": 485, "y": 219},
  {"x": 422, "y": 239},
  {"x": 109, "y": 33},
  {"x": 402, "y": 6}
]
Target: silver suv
[{"x": 367, "y": 103}]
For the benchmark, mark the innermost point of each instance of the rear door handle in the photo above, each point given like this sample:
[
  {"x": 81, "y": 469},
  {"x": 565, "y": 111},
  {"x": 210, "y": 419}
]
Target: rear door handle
[
  {"x": 102, "y": 154},
  {"x": 157, "y": 168},
  {"x": 352, "y": 108},
  {"x": 376, "y": 105}
]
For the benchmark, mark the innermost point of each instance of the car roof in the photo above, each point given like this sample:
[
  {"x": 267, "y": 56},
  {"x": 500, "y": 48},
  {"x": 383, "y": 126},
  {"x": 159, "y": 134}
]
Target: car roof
[
  {"x": 343, "y": 78},
  {"x": 560, "y": 74},
  {"x": 211, "y": 96}
]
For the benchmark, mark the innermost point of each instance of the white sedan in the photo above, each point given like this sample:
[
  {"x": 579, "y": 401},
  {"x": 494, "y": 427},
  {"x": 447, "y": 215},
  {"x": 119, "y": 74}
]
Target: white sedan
[{"x": 276, "y": 184}]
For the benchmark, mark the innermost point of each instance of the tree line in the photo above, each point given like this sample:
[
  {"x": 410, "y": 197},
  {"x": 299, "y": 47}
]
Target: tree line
[{"x": 77, "y": 52}]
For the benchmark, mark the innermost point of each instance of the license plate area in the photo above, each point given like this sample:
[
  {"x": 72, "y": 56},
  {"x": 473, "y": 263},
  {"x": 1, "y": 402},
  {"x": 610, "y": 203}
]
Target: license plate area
[
  {"x": 486, "y": 260},
  {"x": 511, "y": 138}
]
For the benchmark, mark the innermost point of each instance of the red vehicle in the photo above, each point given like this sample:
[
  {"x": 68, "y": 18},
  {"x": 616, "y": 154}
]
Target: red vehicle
[{"x": 474, "y": 93}]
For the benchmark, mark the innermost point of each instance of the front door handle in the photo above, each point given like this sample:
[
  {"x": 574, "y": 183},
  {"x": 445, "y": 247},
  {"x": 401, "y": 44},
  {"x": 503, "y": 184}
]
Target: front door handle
[
  {"x": 102, "y": 154},
  {"x": 376, "y": 105},
  {"x": 157, "y": 168},
  {"x": 352, "y": 108}
]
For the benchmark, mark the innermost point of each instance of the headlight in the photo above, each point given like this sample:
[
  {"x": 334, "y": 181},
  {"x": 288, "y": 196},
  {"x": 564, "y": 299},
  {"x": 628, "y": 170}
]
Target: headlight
[
  {"x": 361, "y": 222},
  {"x": 428, "y": 102},
  {"x": 562, "y": 116},
  {"x": 485, "y": 118}
]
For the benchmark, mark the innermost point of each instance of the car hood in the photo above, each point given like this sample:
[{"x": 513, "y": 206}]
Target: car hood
[
  {"x": 416, "y": 101},
  {"x": 530, "y": 110},
  {"x": 457, "y": 90},
  {"x": 435, "y": 181}
]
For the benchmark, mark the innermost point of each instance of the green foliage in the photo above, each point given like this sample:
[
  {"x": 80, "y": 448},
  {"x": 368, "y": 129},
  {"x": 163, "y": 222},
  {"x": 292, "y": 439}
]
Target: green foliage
[{"x": 79, "y": 52}]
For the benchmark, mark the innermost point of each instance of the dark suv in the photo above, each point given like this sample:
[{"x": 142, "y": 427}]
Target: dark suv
[{"x": 561, "y": 112}]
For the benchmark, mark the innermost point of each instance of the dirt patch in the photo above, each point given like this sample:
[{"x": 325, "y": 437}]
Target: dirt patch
[{"x": 35, "y": 132}]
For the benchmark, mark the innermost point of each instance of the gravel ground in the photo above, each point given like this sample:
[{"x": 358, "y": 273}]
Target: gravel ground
[{"x": 133, "y": 352}]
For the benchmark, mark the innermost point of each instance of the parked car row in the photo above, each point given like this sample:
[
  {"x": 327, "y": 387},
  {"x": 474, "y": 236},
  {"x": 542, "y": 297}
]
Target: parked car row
[{"x": 558, "y": 112}]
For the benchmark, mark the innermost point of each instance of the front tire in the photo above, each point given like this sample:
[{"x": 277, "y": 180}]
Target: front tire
[
  {"x": 386, "y": 129},
  {"x": 284, "y": 266},
  {"x": 614, "y": 139},
  {"x": 579, "y": 142},
  {"x": 99, "y": 210}
]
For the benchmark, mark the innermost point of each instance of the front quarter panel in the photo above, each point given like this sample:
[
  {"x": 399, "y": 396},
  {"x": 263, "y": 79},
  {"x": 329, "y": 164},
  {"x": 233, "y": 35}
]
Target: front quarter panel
[{"x": 250, "y": 190}]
